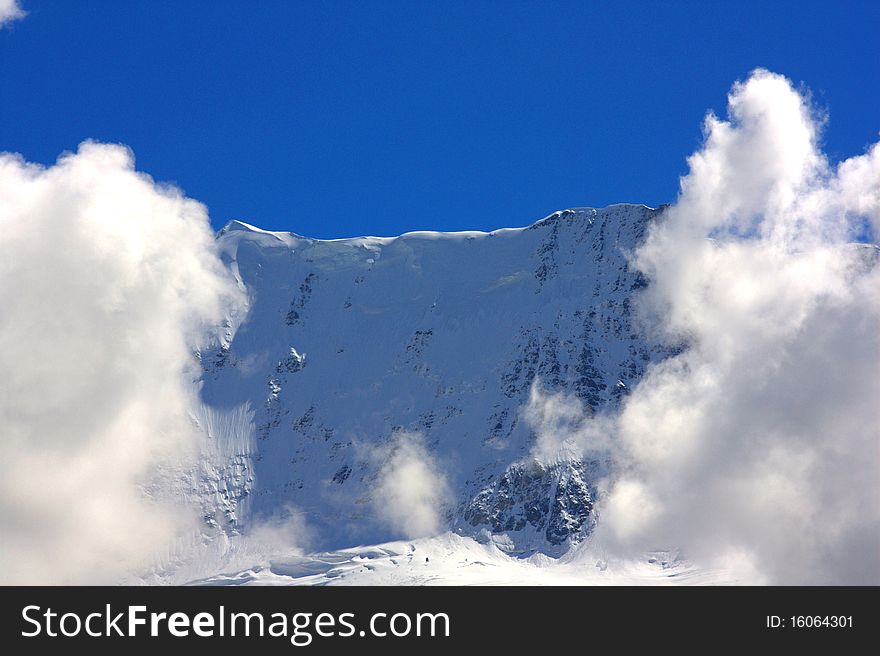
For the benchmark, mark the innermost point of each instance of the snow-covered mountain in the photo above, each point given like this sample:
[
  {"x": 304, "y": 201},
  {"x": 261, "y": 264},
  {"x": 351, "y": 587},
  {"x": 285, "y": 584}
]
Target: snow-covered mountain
[{"x": 348, "y": 344}]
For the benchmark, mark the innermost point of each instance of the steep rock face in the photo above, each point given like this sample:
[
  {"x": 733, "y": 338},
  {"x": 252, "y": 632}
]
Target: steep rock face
[
  {"x": 543, "y": 506},
  {"x": 348, "y": 343}
]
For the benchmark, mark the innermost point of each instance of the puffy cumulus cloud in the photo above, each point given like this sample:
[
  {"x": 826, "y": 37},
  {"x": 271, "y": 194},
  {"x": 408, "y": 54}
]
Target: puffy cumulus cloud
[
  {"x": 758, "y": 447},
  {"x": 411, "y": 490},
  {"x": 10, "y": 10},
  {"x": 107, "y": 281}
]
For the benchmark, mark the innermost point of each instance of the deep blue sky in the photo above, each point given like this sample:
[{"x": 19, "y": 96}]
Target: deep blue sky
[{"x": 334, "y": 119}]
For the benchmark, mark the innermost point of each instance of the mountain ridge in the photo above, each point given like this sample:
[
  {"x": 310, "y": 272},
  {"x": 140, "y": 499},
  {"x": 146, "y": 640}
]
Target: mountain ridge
[{"x": 243, "y": 226}]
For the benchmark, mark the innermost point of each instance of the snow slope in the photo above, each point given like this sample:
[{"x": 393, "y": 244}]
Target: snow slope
[{"x": 450, "y": 559}]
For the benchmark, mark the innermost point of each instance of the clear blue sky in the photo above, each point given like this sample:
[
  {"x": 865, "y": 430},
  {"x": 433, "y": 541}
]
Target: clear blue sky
[{"x": 334, "y": 119}]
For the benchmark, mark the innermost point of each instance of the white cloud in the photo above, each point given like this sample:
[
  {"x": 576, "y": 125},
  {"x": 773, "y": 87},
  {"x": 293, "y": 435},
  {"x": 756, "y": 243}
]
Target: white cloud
[
  {"x": 411, "y": 490},
  {"x": 107, "y": 281},
  {"x": 760, "y": 444},
  {"x": 197, "y": 556},
  {"x": 563, "y": 429},
  {"x": 10, "y": 10}
]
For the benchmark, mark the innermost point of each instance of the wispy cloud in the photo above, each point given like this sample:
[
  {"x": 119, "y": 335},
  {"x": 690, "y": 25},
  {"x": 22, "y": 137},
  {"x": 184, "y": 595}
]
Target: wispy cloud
[
  {"x": 411, "y": 489},
  {"x": 564, "y": 429},
  {"x": 10, "y": 10}
]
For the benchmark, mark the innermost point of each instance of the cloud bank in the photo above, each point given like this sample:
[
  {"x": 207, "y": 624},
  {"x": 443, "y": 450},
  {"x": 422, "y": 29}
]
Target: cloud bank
[
  {"x": 411, "y": 490},
  {"x": 107, "y": 280},
  {"x": 10, "y": 10},
  {"x": 758, "y": 447}
]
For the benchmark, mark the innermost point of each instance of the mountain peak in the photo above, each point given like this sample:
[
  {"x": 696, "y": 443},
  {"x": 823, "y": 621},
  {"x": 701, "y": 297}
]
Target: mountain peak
[{"x": 235, "y": 225}]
